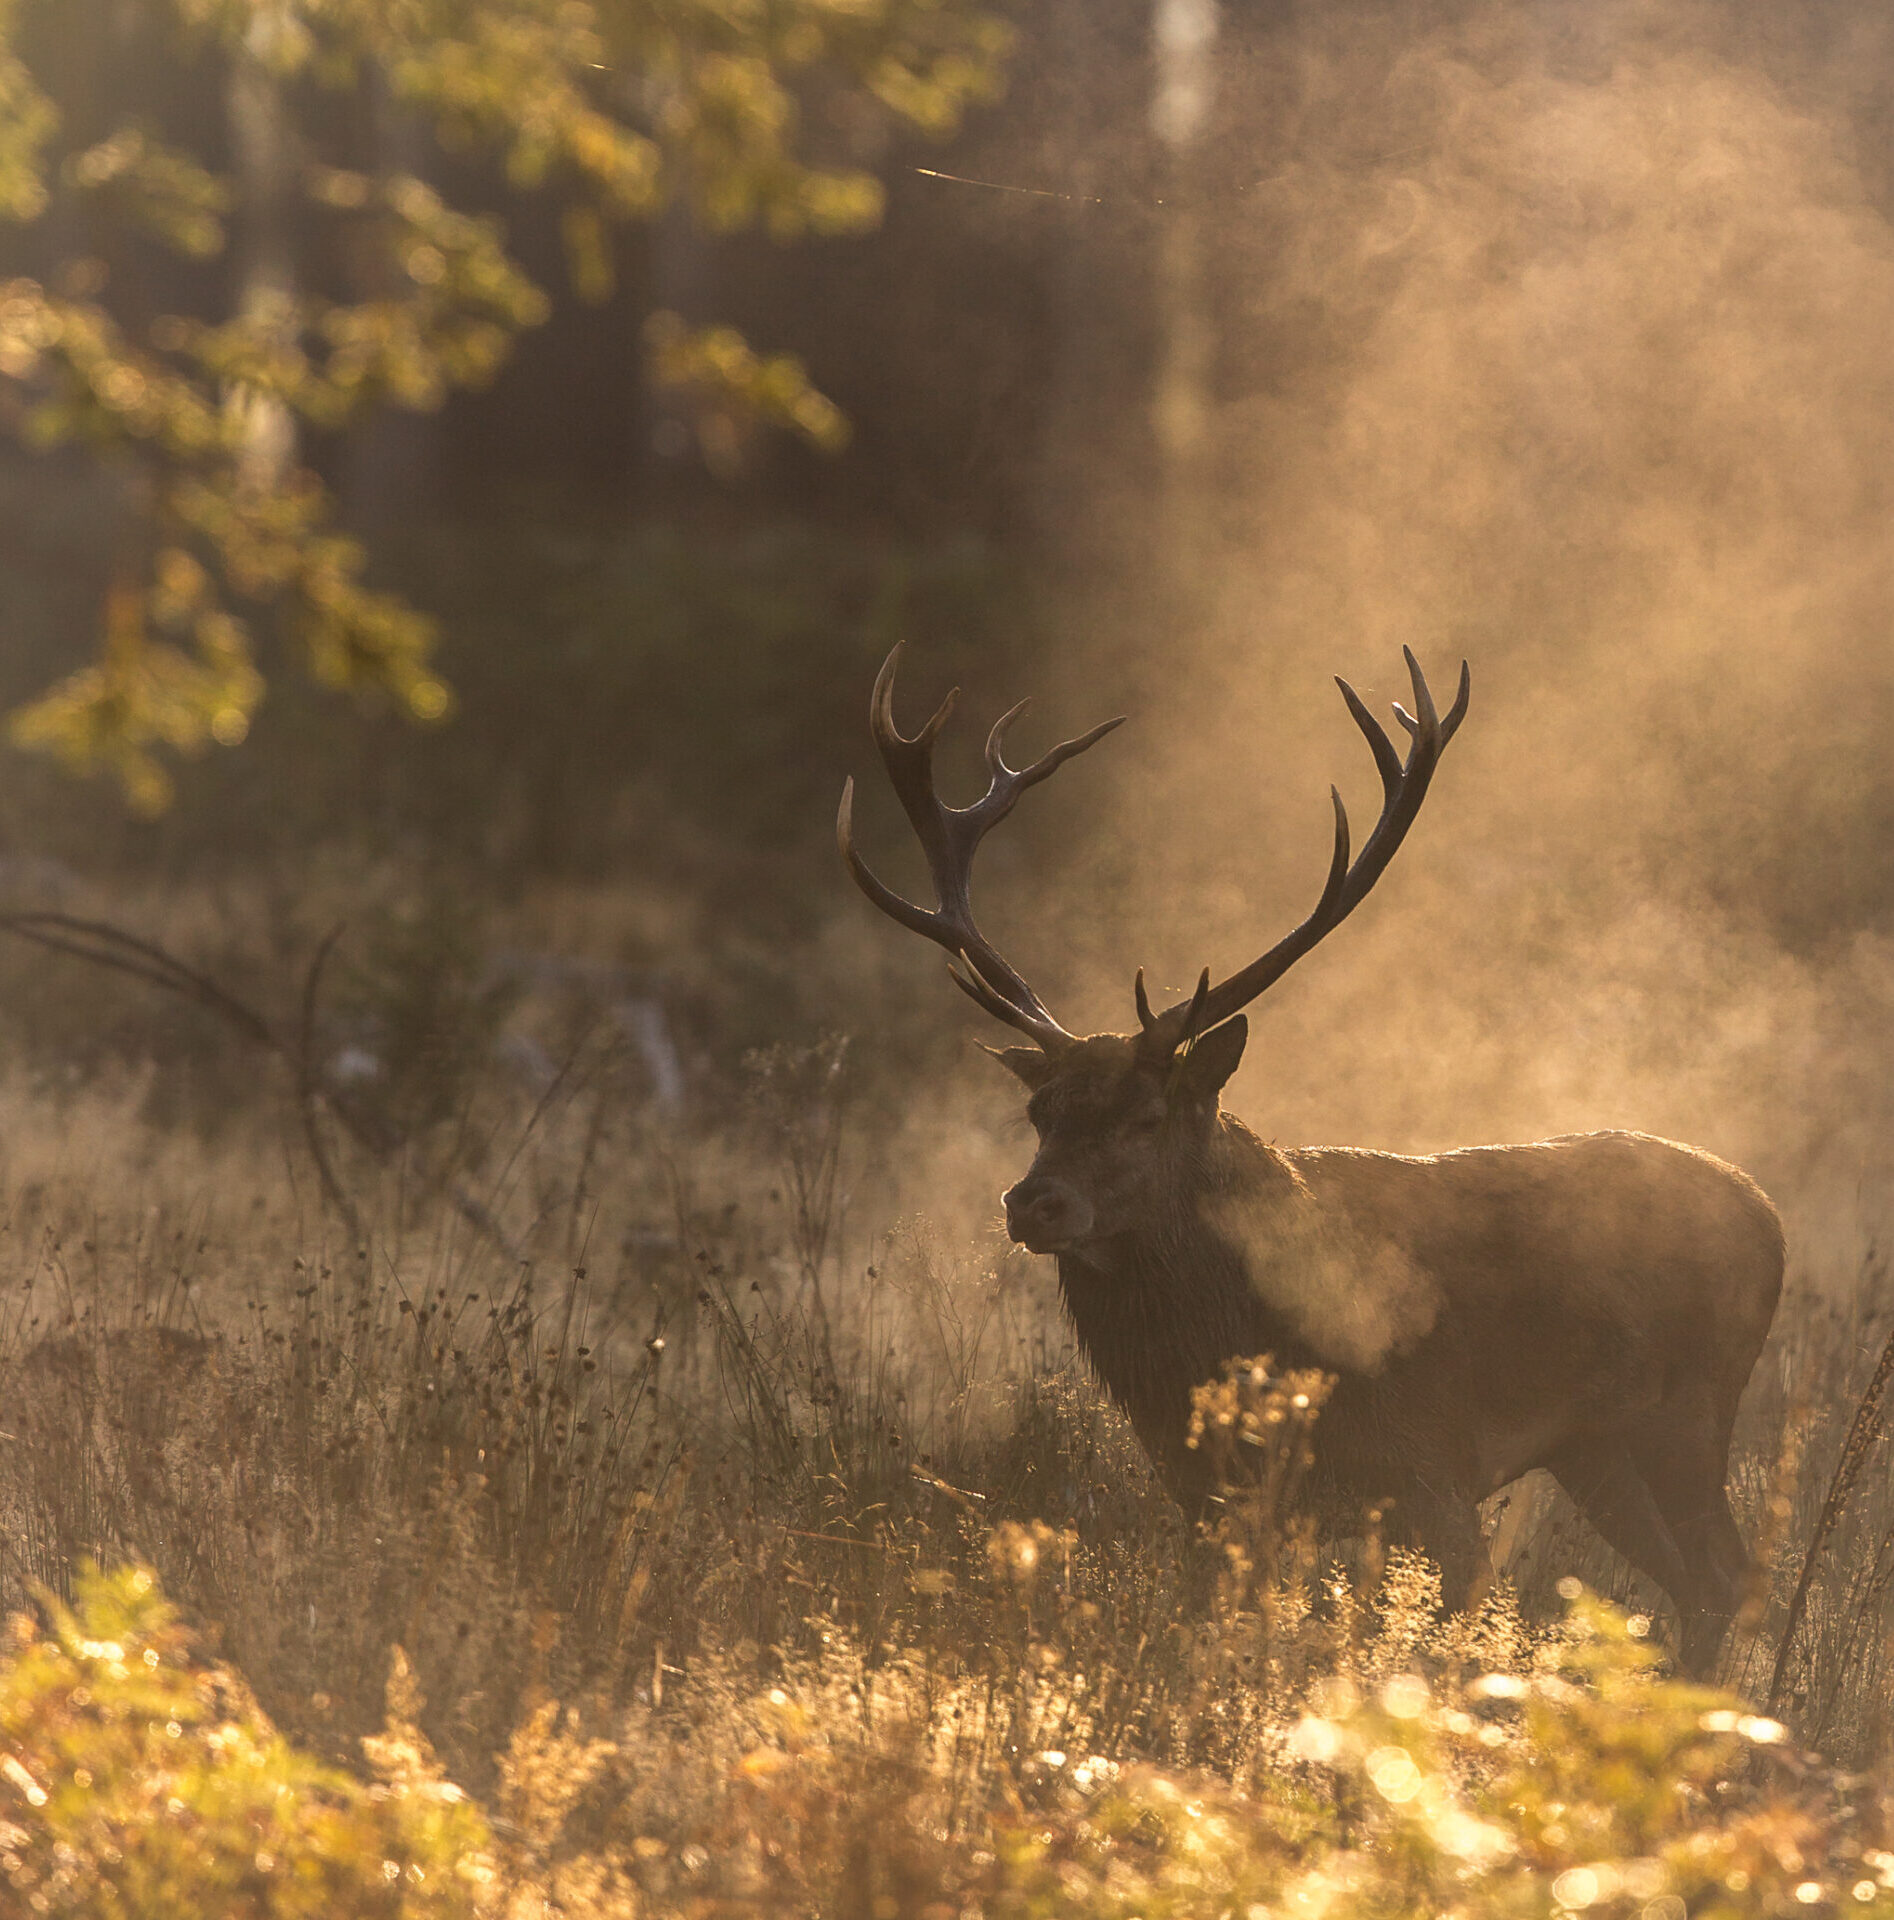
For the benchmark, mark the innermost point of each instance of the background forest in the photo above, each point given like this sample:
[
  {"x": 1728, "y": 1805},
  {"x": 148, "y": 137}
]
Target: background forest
[{"x": 505, "y": 1197}]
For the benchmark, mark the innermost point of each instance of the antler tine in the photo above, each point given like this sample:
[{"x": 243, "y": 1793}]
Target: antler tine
[
  {"x": 910, "y": 761},
  {"x": 1017, "y": 779},
  {"x": 1194, "y": 1011},
  {"x": 1386, "y": 760},
  {"x": 974, "y": 986},
  {"x": 1428, "y": 721},
  {"x": 1403, "y": 786},
  {"x": 996, "y": 738},
  {"x": 1458, "y": 711},
  {"x": 1455, "y": 714},
  {"x": 949, "y": 837}
]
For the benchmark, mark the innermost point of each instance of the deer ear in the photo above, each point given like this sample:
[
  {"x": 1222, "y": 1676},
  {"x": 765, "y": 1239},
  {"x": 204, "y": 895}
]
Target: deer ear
[
  {"x": 1213, "y": 1058},
  {"x": 1024, "y": 1063}
]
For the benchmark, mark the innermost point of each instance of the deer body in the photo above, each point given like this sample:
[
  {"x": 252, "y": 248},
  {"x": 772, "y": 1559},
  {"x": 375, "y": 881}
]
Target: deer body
[{"x": 1592, "y": 1305}]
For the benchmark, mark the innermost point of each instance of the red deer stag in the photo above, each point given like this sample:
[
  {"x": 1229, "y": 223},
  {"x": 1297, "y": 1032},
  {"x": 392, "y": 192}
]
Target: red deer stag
[{"x": 1591, "y": 1304}]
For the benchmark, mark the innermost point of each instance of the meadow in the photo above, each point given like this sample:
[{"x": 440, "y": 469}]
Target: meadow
[{"x": 593, "y": 1501}]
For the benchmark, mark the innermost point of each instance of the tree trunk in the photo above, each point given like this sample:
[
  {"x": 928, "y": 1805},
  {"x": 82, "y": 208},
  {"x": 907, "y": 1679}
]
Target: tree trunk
[
  {"x": 391, "y": 464},
  {"x": 263, "y": 146},
  {"x": 1184, "y": 45}
]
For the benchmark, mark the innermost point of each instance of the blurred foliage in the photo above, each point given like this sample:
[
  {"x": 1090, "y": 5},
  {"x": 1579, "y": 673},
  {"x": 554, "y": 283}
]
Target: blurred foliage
[
  {"x": 141, "y": 1779},
  {"x": 733, "y": 390},
  {"x": 664, "y": 705},
  {"x": 1587, "y": 1785},
  {"x": 740, "y": 115},
  {"x": 652, "y": 721}
]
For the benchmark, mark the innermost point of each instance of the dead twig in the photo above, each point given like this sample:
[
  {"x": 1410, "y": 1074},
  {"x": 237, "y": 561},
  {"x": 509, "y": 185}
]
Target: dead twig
[
  {"x": 108, "y": 946},
  {"x": 129, "y": 953},
  {"x": 1863, "y": 1430}
]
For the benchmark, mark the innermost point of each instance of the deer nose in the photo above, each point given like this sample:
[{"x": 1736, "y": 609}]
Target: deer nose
[{"x": 1044, "y": 1215}]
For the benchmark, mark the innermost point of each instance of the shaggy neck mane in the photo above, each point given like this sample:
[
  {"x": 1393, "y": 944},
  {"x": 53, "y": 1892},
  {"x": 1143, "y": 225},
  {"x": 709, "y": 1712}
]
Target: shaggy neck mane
[
  {"x": 1168, "y": 1252},
  {"x": 1159, "y": 1310}
]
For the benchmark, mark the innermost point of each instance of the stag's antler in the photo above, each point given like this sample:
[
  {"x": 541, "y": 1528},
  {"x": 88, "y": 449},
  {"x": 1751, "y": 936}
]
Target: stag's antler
[
  {"x": 1404, "y": 787},
  {"x": 949, "y": 836}
]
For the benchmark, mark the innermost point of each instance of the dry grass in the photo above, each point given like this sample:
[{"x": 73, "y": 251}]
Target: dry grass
[
  {"x": 655, "y": 1450},
  {"x": 701, "y": 1441}
]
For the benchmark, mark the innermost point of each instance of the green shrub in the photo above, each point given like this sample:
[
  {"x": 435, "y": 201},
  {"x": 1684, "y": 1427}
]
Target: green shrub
[
  {"x": 140, "y": 1779},
  {"x": 1590, "y": 1785}
]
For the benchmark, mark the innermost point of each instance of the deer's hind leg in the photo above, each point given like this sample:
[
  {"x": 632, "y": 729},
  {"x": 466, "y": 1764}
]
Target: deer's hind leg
[
  {"x": 1685, "y": 1468},
  {"x": 1609, "y": 1488}
]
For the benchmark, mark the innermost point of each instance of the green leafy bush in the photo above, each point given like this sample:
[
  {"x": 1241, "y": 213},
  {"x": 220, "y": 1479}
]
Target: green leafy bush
[
  {"x": 141, "y": 1779},
  {"x": 138, "y": 1779},
  {"x": 1590, "y": 1784}
]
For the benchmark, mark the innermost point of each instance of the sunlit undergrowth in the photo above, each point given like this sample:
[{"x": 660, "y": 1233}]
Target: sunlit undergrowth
[
  {"x": 138, "y": 1777},
  {"x": 743, "y": 1558}
]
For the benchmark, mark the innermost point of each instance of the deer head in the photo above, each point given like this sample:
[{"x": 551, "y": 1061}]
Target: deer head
[{"x": 1121, "y": 1118}]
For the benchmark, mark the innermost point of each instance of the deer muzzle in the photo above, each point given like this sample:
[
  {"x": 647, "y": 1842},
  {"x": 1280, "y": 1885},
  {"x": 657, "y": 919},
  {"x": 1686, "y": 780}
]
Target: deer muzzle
[{"x": 1044, "y": 1215}]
